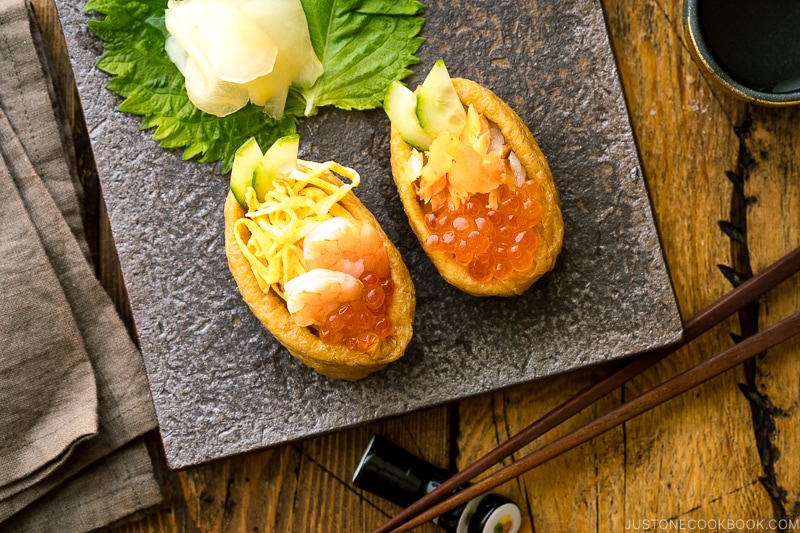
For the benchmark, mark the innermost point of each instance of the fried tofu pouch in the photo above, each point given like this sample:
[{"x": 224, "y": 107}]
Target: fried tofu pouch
[
  {"x": 335, "y": 361},
  {"x": 522, "y": 142}
]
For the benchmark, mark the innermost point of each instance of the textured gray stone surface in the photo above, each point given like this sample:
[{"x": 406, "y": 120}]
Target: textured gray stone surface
[{"x": 222, "y": 385}]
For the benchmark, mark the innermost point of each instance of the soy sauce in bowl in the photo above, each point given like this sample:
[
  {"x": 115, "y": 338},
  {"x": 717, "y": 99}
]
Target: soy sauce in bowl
[{"x": 751, "y": 47}]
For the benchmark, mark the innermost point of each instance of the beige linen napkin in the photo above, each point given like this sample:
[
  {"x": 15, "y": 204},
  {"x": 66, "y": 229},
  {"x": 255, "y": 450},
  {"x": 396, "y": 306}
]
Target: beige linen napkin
[
  {"x": 29, "y": 101},
  {"x": 114, "y": 487},
  {"x": 47, "y": 388},
  {"x": 126, "y": 409},
  {"x": 90, "y": 476},
  {"x": 48, "y": 393}
]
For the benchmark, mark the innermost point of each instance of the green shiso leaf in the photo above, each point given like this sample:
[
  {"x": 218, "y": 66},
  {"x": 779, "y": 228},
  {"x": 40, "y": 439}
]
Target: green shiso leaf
[{"x": 363, "y": 46}]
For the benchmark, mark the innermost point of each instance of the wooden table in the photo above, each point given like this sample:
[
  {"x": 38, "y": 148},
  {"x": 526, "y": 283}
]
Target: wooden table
[{"x": 724, "y": 181}]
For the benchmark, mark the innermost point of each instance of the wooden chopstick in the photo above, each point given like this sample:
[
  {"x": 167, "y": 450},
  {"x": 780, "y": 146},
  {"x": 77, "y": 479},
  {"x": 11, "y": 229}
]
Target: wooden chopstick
[
  {"x": 681, "y": 383},
  {"x": 694, "y": 327}
]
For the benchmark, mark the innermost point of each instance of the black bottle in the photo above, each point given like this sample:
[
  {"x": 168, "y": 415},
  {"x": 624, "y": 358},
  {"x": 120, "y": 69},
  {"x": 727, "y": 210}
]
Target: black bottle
[{"x": 392, "y": 473}]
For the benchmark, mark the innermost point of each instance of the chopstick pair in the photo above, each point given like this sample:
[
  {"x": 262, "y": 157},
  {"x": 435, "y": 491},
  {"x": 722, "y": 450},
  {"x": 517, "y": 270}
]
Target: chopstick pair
[{"x": 427, "y": 508}]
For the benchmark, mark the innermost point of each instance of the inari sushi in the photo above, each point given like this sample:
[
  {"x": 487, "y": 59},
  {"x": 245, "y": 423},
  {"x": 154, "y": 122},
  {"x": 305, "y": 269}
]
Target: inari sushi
[
  {"x": 313, "y": 263},
  {"x": 476, "y": 187}
]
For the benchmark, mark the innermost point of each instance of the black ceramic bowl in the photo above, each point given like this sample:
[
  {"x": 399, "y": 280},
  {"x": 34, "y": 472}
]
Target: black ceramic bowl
[{"x": 749, "y": 48}]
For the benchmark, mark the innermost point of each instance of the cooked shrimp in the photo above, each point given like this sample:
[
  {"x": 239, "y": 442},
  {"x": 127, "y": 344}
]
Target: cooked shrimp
[
  {"x": 313, "y": 296},
  {"x": 347, "y": 246}
]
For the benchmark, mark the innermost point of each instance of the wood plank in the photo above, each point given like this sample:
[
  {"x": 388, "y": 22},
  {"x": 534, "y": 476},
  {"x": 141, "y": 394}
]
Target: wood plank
[
  {"x": 574, "y": 492},
  {"x": 687, "y": 132},
  {"x": 772, "y": 191}
]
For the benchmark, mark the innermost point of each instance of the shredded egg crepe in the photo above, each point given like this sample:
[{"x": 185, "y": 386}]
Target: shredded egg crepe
[{"x": 293, "y": 207}]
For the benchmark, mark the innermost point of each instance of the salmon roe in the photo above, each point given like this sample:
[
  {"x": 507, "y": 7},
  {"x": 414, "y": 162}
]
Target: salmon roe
[
  {"x": 361, "y": 324},
  {"x": 492, "y": 243}
]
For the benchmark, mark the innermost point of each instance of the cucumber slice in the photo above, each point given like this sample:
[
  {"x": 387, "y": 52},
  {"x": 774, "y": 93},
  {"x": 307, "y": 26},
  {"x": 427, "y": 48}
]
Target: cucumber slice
[
  {"x": 245, "y": 160},
  {"x": 439, "y": 110},
  {"x": 400, "y": 105},
  {"x": 278, "y": 162}
]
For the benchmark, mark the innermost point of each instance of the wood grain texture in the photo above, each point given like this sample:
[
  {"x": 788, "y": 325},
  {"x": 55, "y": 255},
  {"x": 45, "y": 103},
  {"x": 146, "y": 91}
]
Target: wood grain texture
[
  {"x": 724, "y": 181},
  {"x": 772, "y": 194}
]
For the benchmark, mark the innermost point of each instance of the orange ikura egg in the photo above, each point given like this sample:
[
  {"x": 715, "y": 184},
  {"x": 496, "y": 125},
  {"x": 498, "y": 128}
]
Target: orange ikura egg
[
  {"x": 491, "y": 242},
  {"x": 360, "y": 325}
]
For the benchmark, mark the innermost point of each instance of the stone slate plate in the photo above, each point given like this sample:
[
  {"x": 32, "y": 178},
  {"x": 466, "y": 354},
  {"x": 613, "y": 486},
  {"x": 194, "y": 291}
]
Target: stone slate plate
[{"x": 222, "y": 385}]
